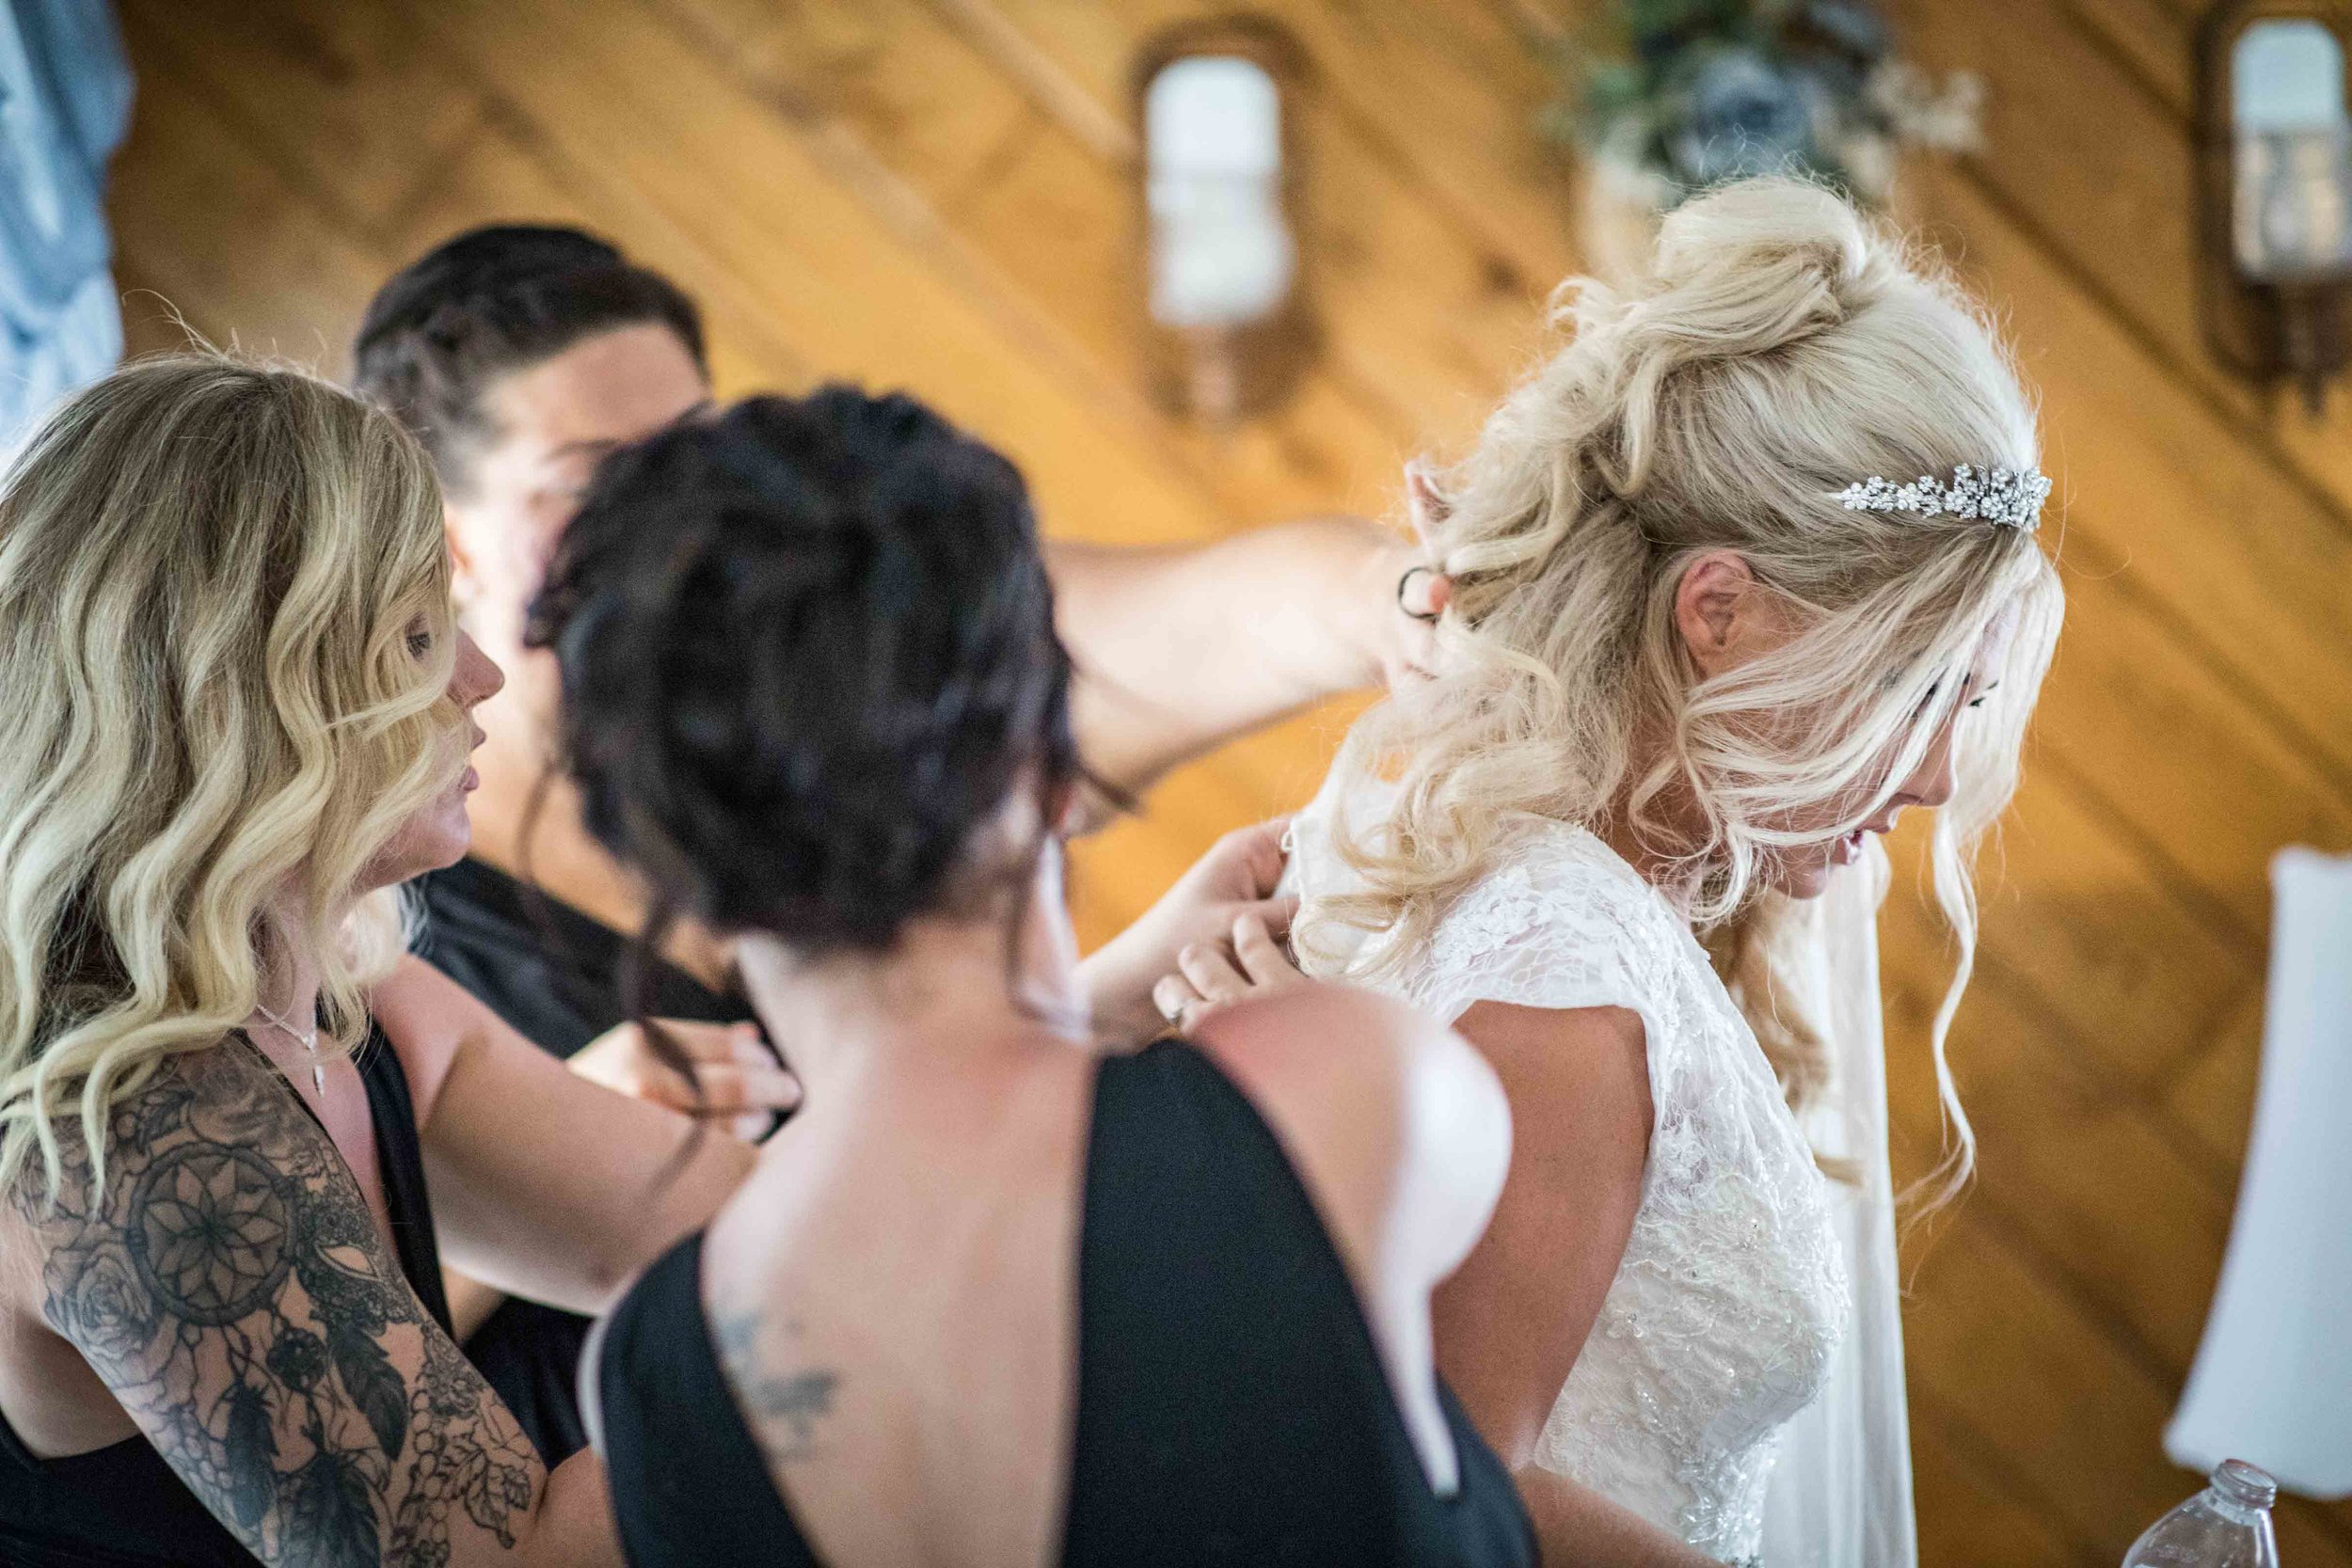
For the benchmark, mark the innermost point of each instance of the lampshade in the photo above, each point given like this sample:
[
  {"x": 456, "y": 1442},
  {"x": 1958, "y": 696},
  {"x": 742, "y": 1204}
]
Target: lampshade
[{"x": 2273, "y": 1379}]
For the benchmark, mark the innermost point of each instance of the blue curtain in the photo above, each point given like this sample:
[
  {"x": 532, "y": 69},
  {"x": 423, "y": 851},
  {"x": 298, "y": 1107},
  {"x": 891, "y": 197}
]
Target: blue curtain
[{"x": 65, "y": 102}]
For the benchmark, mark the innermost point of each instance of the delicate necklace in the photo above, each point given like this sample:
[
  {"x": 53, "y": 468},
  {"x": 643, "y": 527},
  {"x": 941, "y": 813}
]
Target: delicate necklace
[{"x": 308, "y": 1042}]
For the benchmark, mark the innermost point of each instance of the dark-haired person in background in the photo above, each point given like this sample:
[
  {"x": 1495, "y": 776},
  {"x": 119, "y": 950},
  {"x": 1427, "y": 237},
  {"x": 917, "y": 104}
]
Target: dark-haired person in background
[
  {"x": 523, "y": 356},
  {"x": 992, "y": 1298}
]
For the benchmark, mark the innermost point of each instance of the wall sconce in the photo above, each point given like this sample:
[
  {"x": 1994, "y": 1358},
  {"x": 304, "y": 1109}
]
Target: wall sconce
[
  {"x": 2275, "y": 203},
  {"x": 1226, "y": 327}
]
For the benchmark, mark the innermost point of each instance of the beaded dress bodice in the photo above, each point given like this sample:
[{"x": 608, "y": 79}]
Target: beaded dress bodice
[{"x": 1732, "y": 1292}]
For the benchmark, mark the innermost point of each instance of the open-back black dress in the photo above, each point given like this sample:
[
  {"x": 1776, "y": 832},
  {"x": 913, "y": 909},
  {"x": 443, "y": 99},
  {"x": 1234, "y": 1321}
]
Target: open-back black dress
[{"x": 1233, "y": 1406}]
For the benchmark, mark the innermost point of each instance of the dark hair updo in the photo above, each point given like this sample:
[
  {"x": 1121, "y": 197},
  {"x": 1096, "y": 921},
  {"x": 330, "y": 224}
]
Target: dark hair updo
[
  {"x": 492, "y": 301},
  {"x": 807, "y": 652}
]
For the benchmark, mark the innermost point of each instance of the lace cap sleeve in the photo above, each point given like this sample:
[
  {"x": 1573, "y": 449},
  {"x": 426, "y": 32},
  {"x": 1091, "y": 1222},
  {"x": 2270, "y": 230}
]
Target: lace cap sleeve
[{"x": 1562, "y": 923}]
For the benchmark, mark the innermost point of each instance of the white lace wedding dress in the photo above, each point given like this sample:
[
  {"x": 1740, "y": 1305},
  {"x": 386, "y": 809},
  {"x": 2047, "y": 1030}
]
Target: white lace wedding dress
[{"x": 1728, "y": 1308}]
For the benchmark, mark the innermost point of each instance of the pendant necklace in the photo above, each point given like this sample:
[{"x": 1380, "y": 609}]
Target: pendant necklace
[{"x": 308, "y": 1042}]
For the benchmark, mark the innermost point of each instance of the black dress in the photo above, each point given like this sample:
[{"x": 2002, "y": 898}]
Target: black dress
[
  {"x": 1233, "y": 1407},
  {"x": 121, "y": 1506},
  {"x": 555, "y": 973}
]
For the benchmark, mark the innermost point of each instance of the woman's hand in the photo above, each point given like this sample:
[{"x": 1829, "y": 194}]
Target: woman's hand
[
  {"x": 1409, "y": 592},
  {"x": 544, "y": 1185},
  {"x": 1182, "y": 648},
  {"x": 735, "y": 1074},
  {"x": 1234, "y": 882},
  {"x": 1213, "y": 975}
]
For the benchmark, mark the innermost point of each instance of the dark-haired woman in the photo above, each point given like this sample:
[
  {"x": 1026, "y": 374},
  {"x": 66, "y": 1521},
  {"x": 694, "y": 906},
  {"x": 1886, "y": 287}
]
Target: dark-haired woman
[
  {"x": 521, "y": 355},
  {"x": 992, "y": 1298},
  {"x": 238, "y": 1127}
]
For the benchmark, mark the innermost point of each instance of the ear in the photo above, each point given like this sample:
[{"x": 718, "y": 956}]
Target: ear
[
  {"x": 1716, "y": 607},
  {"x": 1066, "y": 809},
  {"x": 1424, "y": 507},
  {"x": 460, "y": 559}
]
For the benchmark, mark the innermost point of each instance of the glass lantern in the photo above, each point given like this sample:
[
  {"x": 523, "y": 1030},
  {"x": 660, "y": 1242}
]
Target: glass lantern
[{"x": 2275, "y": 197}]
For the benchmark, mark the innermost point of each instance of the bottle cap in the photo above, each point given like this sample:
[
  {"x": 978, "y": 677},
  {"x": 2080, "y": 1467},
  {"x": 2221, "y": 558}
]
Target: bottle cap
[{"x": 2248, "y": 1485}]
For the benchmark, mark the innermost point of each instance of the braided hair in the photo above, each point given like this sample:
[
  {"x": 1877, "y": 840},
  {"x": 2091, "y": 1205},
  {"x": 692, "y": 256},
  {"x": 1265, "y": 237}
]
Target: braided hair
[{"x": 807, "y": 652}]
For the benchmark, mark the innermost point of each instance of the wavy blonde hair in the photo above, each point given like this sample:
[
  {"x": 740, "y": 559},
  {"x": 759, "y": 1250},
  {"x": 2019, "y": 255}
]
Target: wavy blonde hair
[
  {"x": 1779, "y": 349},
  {"x": 214, "y": 715}
]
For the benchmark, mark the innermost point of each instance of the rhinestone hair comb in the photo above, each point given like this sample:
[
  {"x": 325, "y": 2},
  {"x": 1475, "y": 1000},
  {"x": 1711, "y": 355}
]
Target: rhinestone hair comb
[{"x": 2001, "y": 498}]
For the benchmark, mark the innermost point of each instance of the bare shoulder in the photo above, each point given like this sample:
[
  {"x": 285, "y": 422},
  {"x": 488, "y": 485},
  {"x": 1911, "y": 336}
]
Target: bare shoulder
[
  {"x": 429, "y": 1019},
  {"x": 1386, "y": 1110},
  {"x": 1582, "y": 1115},
  {"x": 1578, "y": 1037},
  {"x": 59, "y": 1208},
  {"x": 220, "y": 1093},
  {"x": 214, "y": 1263},
  {"x": 1589, "y": 1065},
  {"x": 1323, "y": 1042}
]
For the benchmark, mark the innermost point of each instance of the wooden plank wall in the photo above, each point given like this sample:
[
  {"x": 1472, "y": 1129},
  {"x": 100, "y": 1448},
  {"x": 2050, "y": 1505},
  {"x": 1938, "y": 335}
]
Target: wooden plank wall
[{"x": 935, "y": 194}]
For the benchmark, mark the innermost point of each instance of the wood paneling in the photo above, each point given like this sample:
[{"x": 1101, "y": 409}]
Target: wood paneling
[{"x": 938, "y": 194}]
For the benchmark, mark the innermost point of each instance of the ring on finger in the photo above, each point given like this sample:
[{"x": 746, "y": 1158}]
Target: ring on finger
[{"x": 1405, "y": 582}]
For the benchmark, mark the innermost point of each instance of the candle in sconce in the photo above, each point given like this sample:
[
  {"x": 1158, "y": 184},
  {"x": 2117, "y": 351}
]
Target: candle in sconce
[
  {"x": 1226, "y": 322},
  {"x": 2293, "y": 216}
]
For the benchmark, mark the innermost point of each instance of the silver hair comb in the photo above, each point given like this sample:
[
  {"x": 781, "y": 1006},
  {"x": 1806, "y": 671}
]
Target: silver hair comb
[{"x": 2001, "y": 498}]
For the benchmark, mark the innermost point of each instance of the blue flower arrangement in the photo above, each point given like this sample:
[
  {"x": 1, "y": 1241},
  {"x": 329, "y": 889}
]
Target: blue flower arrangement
[{"x": 1668, "y": 97}]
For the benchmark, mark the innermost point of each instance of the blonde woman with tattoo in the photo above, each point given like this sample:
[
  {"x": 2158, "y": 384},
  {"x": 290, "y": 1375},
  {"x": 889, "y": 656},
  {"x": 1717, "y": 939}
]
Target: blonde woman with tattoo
[{"x": 234, "y": 715}]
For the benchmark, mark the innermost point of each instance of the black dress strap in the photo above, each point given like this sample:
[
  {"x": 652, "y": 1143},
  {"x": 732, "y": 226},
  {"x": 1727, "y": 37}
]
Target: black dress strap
[
  {"x": 399, "y": 1161},
  {"x": 1229, "y": 1381},
  {"x": 698, "y": 1460}
]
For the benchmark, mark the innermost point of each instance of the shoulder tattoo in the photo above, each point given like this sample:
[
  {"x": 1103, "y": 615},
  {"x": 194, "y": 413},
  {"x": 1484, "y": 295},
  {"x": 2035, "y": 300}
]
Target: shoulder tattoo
[{"x": 228, "y": 1283}]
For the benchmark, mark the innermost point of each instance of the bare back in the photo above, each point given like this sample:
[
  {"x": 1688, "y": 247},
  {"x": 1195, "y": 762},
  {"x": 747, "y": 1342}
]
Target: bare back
[
  {"x": 896, "y": 1297},
  {"x": 900, "y": 1280}
]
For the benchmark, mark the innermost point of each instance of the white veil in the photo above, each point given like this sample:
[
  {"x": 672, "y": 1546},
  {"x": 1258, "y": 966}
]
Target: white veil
[{"x": 1841, "y": 1494}]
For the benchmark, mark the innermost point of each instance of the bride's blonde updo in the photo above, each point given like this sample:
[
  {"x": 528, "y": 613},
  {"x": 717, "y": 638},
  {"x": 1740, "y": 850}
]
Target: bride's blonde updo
[{"x": 1780, "y": 349}]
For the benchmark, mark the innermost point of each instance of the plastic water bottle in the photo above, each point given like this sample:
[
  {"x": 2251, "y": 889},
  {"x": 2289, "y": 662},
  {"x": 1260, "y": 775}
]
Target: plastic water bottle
[{"x": 2225, "y": 1526}]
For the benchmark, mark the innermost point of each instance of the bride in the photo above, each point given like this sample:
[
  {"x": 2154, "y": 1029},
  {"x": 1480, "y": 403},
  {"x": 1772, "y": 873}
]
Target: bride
[{"x": 1709, "y": 632}]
